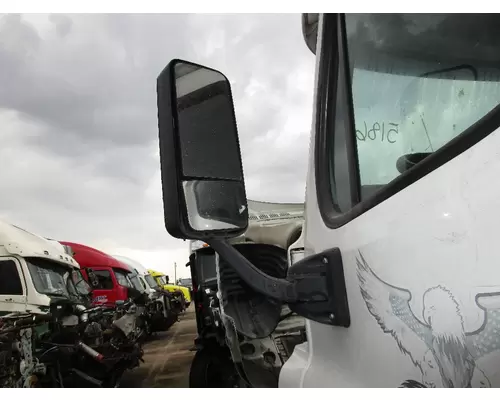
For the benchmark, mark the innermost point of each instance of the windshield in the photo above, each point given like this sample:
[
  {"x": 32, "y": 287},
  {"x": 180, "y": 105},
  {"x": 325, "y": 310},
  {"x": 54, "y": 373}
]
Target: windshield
[
  {"x": 122, "y": 279},
  {"x": 51, "y": 278},
  {"x": 163, "y": 280},
  {"x": 144, "y": 285},
  {"x": 418, "y": 81},
  {"x": 81, "y": 285},
  {"x": 135, "y": 282},
  {"x": 151, "y": 281}
]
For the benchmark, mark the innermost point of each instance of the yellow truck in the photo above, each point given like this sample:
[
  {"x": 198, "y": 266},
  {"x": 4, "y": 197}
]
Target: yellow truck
[{"x": 162, "y": 280}]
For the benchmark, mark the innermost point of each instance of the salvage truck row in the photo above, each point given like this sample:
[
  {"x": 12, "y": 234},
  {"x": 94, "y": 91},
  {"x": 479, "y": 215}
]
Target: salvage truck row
[{"x": 73, "y": 316}]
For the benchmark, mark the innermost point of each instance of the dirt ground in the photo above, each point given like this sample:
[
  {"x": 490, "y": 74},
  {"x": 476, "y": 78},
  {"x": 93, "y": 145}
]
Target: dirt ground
[{"x": 167, "y": 357}]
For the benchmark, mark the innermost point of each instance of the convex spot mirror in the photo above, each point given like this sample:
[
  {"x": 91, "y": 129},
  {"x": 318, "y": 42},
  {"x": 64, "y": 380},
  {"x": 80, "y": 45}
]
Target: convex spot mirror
[{"x": 202, "y": 175}]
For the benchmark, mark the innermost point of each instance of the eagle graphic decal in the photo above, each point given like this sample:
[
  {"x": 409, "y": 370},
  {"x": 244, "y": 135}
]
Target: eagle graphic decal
[{"x": 437, "y": 343}]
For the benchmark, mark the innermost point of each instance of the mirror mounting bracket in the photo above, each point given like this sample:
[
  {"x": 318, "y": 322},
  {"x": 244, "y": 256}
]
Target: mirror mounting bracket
[
  {"x": 320, "y": 286},
  {"x": 314, "y": 287}
]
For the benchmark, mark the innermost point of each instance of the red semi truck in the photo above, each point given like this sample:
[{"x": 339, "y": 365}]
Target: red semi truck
[{"x": 115, "y": 279}]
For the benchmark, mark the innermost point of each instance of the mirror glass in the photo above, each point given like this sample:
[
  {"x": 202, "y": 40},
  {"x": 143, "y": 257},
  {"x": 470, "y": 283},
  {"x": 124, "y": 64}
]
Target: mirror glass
[
  {"x": 212, "y": 181},
  {"x": 206, "y": 123},
  {"x": 215, "y": 205}
]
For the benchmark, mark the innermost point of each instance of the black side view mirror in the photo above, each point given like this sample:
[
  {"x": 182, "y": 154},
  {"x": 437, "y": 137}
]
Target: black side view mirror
[
  {"x": 167, "y": 279},
  {"x": 204, "y": 194},
  {"x": 93, "y": 280},
  {"x": 202, "y": 174}
]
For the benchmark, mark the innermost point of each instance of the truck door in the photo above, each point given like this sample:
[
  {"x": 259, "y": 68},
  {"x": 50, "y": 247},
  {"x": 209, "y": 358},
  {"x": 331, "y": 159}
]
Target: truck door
[
  {"x": 12, "y": 287},
  {"x": 404, "y": 162},
  {"x": 105, "y": 292}
]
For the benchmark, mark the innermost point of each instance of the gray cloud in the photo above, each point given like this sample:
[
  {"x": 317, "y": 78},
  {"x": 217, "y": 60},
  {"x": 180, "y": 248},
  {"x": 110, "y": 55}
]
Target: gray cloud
[
  {"x": 62, "y": 23},
  {"x": 78, "y": 107}
]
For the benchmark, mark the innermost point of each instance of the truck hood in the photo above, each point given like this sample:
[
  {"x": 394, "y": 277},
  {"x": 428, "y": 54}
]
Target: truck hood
[
  {"x": 272, "y": 223},
  {"x": 264, "y": 210},
  {"x": 268, "y": 223},
  {"x": 171, "y": 288}
]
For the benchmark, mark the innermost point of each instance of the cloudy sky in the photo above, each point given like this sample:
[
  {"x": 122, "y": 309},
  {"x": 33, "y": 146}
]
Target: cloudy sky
[{"x": 79, "y": 119}]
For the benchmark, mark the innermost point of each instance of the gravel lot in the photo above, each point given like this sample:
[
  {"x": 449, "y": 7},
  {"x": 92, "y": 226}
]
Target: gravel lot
[{"x": 167, "y": 357}]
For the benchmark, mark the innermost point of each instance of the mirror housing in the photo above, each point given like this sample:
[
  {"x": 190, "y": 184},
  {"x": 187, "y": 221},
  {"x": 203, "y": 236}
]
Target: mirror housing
[
  {"x": 201, "y": 170},
  {"x": 204, "y": 194},
  {"x": 93, "y": 280}
]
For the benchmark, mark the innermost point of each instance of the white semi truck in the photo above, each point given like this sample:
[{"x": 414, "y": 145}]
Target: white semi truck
[
  {"x": 146, "y": 280},
  {"x": 33, "y": 270},
  {"x": 398, "y": 283},
  {"x": 160, "y": 308}
]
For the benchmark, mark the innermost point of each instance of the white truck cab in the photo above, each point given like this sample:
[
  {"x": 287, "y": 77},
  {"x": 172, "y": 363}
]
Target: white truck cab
[
  {"x": 33, "y": 270},
  {"x": 398, "y": 282},
  {"x": 146, "y": 280},
  {"x": 161, "y": 303}
]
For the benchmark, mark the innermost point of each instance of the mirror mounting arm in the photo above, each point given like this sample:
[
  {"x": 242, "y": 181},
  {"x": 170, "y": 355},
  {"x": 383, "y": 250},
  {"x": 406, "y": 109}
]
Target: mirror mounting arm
[
  {"x": 314, "y": 287},
  {"x": 279, "y": 289}
]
